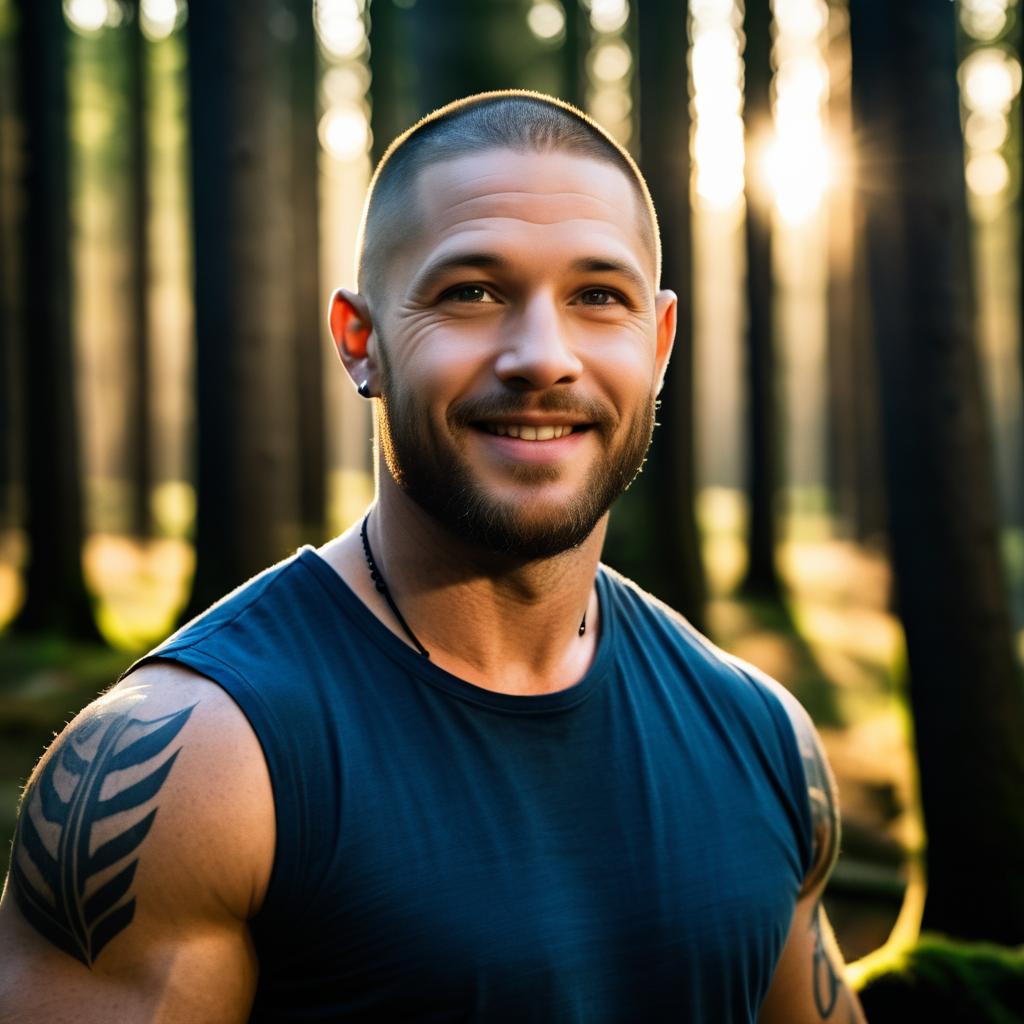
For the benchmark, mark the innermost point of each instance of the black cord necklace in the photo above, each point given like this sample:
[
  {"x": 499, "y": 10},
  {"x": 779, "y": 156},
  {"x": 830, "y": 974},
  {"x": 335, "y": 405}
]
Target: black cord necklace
[{"x": 382, "y": 589}]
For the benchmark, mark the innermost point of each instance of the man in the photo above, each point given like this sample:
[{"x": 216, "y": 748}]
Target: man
[{"x": 448, "y": 767}]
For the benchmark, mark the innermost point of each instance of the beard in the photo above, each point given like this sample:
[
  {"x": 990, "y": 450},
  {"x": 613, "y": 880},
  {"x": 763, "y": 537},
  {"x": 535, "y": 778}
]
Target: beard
[{"x": 434, "y": 472}]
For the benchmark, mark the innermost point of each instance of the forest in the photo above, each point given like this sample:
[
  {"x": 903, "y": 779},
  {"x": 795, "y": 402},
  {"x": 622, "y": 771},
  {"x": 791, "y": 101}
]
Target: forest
[{"x": 835, "y": 489}]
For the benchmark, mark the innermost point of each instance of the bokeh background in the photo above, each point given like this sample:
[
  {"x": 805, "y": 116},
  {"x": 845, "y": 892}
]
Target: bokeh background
[{"x": 834, "y": 491}]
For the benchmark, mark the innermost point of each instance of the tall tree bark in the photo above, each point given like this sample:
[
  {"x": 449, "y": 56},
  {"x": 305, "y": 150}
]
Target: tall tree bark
[
  {"x": 854, "y": 449},
  {"x": 245, "y": 386},
  {"x": 463, "y": 47},
  {"x": 761, "y": 579},
  {"x": 10, "y": 285},
  {"x": 392, "y": 84},
  {"x": 966, "y": 691},
  {"x": 308, "y": 305},
  {"x": 574, "y": 54},
  {"x": 56, "y": 597},
  {"x": 138, "y": 434},
  {"x": 672, "y": 567}
]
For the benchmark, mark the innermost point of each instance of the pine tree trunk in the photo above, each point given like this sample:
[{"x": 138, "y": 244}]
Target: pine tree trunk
[
  {"x": 761, "y": 579},
  {"x": 309, "y": 315},
  {"x": 138, "y": 434},
  {"x": 854, "y": 447},
  {"x": 392, "y": 84},
  {"x": 965, "y": 687},
  {"x": 10, "y": 285},
  {"x": 464, "y": 46},
  {"x": 672, "y": 567},
  {"x": 56, "y": 597},
  {"x": 574, "y": 54},
  {"x": 247, "y": 510}
]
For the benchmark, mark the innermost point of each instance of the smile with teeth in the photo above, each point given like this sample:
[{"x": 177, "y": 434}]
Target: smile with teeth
[{"x": 528, "y": 432}]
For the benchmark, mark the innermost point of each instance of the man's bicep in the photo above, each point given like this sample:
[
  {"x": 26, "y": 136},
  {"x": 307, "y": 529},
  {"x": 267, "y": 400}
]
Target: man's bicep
[
  {"x": 808, "y": 985},
  {"x": 124, "y": 867}
]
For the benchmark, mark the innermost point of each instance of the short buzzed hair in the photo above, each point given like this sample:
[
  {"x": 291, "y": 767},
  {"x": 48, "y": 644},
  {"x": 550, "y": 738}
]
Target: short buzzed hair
[{"x": 515, "y": 119}]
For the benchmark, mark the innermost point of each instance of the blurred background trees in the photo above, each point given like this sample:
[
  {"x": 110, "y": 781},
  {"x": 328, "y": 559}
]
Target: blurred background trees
[{"x": 835, "y": 489}]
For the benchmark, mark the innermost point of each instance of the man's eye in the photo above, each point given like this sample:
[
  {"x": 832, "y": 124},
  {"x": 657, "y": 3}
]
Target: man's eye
[
  {"x": 468, "y": 293},
  {"x": 598, "y": 297}
]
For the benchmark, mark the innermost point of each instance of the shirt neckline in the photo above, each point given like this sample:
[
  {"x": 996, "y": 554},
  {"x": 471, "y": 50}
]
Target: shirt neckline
[{"x": 410, "y": 660}]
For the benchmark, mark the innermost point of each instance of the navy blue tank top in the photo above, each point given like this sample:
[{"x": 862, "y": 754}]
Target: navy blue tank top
[{"x": 626, "y": 849}]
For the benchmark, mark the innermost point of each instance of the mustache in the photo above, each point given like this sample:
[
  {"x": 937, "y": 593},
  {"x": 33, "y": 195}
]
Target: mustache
[{"x": 489, "y": 407}]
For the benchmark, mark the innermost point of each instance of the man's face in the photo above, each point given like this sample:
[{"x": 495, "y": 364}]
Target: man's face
[{"x": 520, "y": 348}]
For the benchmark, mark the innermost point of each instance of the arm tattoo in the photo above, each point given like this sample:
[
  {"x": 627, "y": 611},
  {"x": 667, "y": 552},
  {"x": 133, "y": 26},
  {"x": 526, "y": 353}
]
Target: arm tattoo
[
  {"x": 821, "y": 794},
  {"x": 65, "y": 846},
  {"x": 821, "y": 791},
  {"x": 826, "y": 981}
]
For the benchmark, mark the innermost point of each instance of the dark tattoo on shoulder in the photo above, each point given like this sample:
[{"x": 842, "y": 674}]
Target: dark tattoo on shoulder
[
  {"x": 79, "y": 826},
  {"x": 824, "y": 803},
  {"x": 826, "y": 981},
  {"x": 824, "y": 812}
]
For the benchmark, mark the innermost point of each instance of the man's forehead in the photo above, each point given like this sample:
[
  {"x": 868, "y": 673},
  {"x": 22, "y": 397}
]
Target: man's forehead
[{"x": 504, "y": 188}]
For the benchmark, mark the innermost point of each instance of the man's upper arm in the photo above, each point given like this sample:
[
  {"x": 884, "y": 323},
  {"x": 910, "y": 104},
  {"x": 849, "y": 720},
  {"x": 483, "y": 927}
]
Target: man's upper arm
[
  {"x": 144, "y": 842},
  {"x": 808, "y": 985}
]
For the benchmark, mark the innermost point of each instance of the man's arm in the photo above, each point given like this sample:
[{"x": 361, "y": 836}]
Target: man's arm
[
  {"x": 808, "y": 985},
  {"x": 144, "y": 844}
]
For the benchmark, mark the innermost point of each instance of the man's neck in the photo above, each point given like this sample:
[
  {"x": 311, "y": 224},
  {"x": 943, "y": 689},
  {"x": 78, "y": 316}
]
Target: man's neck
[{"x": 503, "y": 625}]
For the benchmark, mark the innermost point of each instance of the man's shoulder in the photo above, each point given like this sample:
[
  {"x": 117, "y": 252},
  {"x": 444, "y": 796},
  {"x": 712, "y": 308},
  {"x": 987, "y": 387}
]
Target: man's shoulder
[
  {"x": 639, "y": 607},
  {"x": 163, "y": 782},
  {"x": 665, "y": 626}
]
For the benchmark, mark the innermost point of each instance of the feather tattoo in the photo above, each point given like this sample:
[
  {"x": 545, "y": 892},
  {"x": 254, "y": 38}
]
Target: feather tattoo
[{"x": 71, "y": 895}]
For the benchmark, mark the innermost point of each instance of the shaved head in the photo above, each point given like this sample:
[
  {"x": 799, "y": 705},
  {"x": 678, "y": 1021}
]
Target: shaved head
[{"x": 517, "y": 120}]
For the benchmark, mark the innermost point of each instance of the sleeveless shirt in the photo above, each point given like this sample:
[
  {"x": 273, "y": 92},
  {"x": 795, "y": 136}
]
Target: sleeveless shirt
[{"x": 627, "y": 849}]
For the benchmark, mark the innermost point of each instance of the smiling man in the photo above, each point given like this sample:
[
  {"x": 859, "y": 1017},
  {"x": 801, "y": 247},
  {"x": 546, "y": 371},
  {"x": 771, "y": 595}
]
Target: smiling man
[{"x": 449, "y": 767}]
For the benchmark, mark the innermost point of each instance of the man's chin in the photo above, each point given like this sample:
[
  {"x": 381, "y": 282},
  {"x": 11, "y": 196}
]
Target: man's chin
[{"x": 527, "y": 531}]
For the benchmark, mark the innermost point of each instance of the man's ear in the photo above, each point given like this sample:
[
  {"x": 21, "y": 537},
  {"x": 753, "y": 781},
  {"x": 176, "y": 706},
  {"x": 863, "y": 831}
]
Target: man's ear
[
  {"x": 351, "y": 329},
  {"x": 666, "y": 305}
]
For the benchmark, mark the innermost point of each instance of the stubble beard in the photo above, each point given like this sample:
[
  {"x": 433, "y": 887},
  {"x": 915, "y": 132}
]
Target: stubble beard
[{"x": 434, "y": 472}]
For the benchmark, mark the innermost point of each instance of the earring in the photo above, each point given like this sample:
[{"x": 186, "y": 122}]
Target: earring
[{"x": 364, "y": 389}]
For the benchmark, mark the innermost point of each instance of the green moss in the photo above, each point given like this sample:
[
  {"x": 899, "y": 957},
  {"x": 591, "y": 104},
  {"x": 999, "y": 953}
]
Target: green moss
[{"x": 944, "y": 980}]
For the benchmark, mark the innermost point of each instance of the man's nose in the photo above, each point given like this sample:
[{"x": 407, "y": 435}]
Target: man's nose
[{"x": 538, "y": 350}]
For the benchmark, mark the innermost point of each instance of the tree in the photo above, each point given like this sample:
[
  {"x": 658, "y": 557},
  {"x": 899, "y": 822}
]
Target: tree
[
  {"x": 247, "y": 514},
  {"x": 761, "y": 579},
  {"x": 671, "y": 565},
  {"x": 308, "y": 305},
  {"x": 392, "y": 88},
  {"x": 966, "y": 692},
  {"x": 574, "y": 54},
  {"x": 10, "y": 281},
  {"x": 55, "y": 591},
  {"x": 138, "y": 434},
  {"x": 463, "y": 46},
  {"x": 853, "y": 444}
]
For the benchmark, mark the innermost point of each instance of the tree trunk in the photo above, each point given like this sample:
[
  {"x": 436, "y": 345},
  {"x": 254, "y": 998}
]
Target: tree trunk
[
  {"x": 464, "y": 47},
  {"x": 138, "y": 435},
  {"x": 56, "y": 597},
  {"x": 11, "y": 283},
  {"x": 671, "y": 566},
  {"x": 574, "y": 54},
  {"x": 854, "y": 447},
  {"x": 761, "y": 579},
  {"x": 247, "y": 508},
  {"x": 392, "y": 84},
  {"x": 965, "y": 688},
  {"x": 309, "y": 307}
]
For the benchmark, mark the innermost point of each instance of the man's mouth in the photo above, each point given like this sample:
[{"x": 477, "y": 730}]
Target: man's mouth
[{"x": 530, "y": 431}]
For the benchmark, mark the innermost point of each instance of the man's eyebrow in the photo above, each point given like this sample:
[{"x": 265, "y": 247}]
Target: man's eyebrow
[
  {"x": 433, "y": 272},
  {"x": 602, "y": 265},
  {"x": 436, "y": 270}
]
